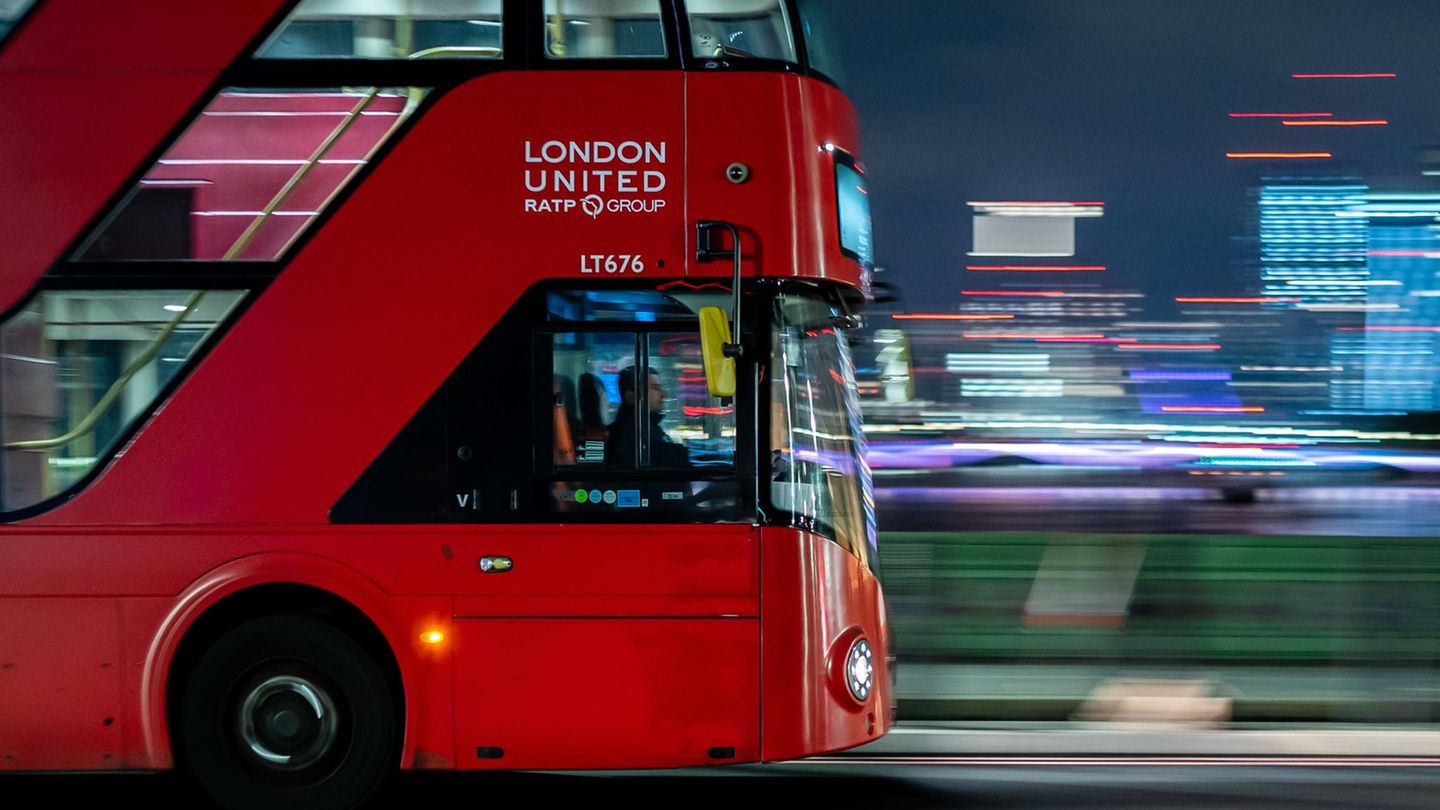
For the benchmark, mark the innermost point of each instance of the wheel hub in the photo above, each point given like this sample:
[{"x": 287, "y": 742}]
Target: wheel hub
[{"x": 288, "y": 722}]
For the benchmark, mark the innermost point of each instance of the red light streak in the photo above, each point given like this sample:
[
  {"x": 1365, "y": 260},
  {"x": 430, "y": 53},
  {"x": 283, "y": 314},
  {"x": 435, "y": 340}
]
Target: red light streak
[
  {"x": 1277, "y": 155},
  {"x": 1035, "y": 268},
  {"x": 1211, "y": 409},
  {"x": 1171, "y": 347},
  {"x": 1366, "y": 122},
  {"x": 1343, "y": 75},
  {"x": 938, "y": 317},
  {"x": 1208, "y": 300},
  {"x": 1424, "y": 254},
  {"x": 1282, "y": 115},
  {"x": 1087, "y": 340},
  {"x": 706, "y": 411},
  {"x": 1016, "y": 293}
]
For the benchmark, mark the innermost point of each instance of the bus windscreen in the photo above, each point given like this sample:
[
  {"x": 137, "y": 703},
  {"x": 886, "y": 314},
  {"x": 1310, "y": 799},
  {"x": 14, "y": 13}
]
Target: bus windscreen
[{"x": 853, "y": 200}]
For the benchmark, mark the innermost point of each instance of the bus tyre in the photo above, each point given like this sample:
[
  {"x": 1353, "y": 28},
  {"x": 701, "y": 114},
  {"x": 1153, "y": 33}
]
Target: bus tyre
[{"x": 288, "y": 712}]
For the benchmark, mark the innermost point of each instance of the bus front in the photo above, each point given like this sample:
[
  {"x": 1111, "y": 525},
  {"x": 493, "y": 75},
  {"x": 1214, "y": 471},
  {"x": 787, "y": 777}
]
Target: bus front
[{"x": 775, "y": 155}]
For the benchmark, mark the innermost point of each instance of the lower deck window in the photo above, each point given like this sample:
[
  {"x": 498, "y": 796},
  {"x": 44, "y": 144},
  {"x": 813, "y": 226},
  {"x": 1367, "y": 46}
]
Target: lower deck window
[{"x": 78, "y": 369}]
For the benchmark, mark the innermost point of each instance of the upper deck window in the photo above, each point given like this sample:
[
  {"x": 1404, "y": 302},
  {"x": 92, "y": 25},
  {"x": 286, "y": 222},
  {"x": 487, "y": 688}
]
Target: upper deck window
[
  {"x": 604, "y": 29},
  {"x": 755, "y": 29},
  {"x": 820, "y": 40},
  {"x": 389, "y": 29},
  {"x": 10, "y": 13},
  {"x": 250, "y": 175}
]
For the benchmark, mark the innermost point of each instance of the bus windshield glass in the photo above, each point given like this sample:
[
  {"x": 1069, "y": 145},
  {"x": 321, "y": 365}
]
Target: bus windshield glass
[
  {"x": 818, "y": 470},
  {"x": 820, "y": 40},
  {"x": 10, "y": 13}
]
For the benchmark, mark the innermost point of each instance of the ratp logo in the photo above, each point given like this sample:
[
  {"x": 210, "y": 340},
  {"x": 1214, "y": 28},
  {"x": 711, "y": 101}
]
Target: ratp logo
[{"x": 592, "y": 205}]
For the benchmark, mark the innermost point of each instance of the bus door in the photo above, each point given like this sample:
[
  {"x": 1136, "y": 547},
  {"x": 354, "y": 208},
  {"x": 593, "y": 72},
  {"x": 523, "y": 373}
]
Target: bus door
[{"x": 619, "y": 622}]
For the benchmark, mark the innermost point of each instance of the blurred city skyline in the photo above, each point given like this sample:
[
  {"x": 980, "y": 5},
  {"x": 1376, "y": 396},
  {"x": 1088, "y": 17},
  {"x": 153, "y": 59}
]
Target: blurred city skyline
[{"x": 1086, "y": 100}]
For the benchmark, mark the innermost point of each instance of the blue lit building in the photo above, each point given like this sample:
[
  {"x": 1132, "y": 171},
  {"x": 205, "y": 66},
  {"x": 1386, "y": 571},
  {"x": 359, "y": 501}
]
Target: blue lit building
[
  {"x": 1313, "y": 243},
  {"x": 1401, "y": 335}
]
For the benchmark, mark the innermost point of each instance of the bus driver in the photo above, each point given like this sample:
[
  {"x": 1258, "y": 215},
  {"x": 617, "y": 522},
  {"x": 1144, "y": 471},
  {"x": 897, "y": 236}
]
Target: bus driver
[{"x": 664, "y": 451}]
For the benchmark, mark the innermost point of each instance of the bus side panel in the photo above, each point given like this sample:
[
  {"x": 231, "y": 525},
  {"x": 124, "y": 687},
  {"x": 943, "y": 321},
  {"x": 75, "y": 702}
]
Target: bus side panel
[
  {"x": 606, "y": 571},
  {"x": 60, "y": 673},
  {"x": 606, "y": 693},
  {"x": 87, "y": 94},
  {"x": 788, "y": 211},
  {"x": 815, "y": 597},
  {"x": 408, "y": 275},
  {"x": 84, "y": 677}
]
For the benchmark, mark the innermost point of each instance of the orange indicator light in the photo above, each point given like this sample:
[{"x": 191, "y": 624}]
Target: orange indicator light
[{"x": 432, "y": 637}]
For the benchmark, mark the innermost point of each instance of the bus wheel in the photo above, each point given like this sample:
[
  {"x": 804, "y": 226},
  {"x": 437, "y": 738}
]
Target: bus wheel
[{"x": 288, "y": 712}]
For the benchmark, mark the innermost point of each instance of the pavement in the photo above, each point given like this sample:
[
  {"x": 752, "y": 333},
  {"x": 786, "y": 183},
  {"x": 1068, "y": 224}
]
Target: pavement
[
  {"x": 1018, "y": 743},
  {"x": 931, "y": 691}
]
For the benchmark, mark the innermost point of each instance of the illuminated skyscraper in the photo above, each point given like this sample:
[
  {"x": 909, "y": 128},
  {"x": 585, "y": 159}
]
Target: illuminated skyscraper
[
  {"x": 1399, "y": 341},
  {"x": 1313, "y": 244},
  {"x": 1313, "y": 238}
]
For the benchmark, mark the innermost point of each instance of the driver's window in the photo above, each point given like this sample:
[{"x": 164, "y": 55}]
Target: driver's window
[
  {"x": 626, "y": 401},
  {"x": 703, "y": 425}
]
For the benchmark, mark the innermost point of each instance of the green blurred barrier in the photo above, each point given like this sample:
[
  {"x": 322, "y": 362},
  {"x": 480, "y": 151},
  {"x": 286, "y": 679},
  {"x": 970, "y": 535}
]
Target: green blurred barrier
[{"x": 1038, "y": 606}]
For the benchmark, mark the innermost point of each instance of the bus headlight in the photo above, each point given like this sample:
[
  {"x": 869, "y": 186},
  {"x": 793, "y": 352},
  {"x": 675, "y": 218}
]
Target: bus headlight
[{"x": 860, "y": 670}]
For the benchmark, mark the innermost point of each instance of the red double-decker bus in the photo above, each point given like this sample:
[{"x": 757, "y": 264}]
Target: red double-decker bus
[{"x": 431, "y": 384}]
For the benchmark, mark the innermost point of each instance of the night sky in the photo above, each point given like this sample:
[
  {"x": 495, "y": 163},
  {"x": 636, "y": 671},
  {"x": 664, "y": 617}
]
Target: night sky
[{"x": 1124, "y": 101}]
